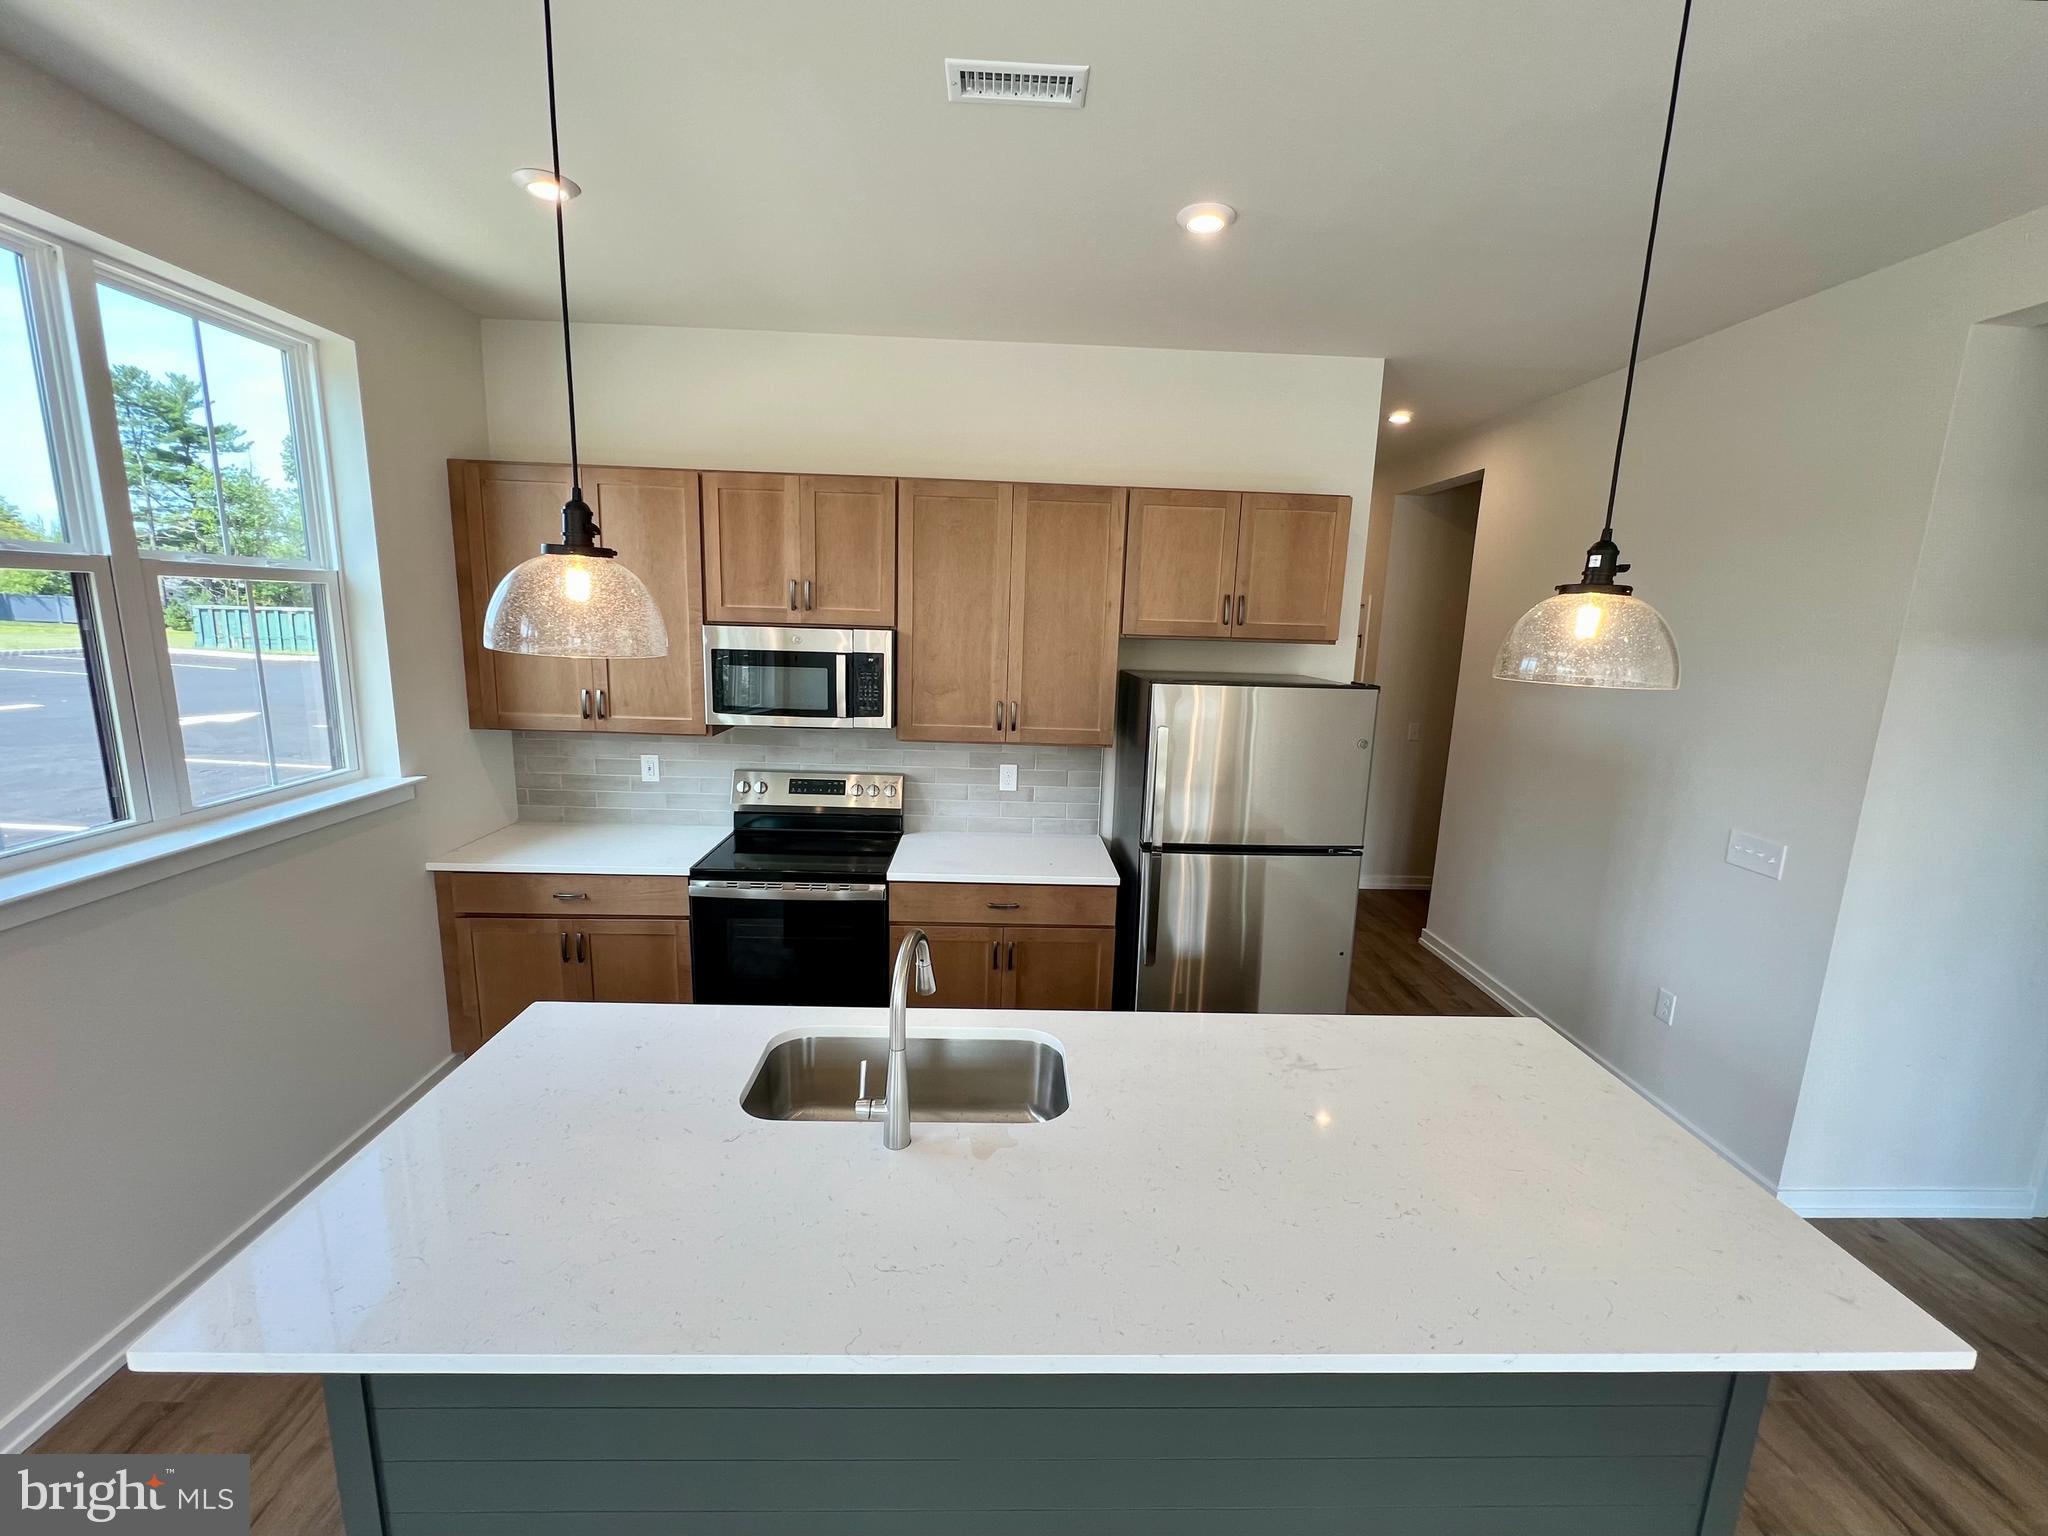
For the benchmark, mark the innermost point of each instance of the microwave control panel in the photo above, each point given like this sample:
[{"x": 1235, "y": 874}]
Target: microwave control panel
[{"x": 864, "y": 690}]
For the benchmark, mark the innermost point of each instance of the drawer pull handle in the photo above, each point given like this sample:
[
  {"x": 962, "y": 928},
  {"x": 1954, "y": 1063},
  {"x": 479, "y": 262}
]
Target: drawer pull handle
[
  {"x": 1004, "y": 906},
  {"x": 572, "y": 895}
]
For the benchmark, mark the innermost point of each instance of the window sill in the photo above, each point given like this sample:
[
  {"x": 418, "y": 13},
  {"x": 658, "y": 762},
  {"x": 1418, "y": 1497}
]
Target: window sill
[{"x": 92, "y": 876}]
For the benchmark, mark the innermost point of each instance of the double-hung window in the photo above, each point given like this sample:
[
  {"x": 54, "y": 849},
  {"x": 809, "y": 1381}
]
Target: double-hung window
[{"x": 170, "y": 582}]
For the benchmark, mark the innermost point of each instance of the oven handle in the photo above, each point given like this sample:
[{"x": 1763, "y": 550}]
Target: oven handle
[{"x": 719, "y": 890}]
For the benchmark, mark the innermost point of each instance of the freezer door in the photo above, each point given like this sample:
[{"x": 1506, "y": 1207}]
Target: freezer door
[
  {"x": 1246, "y": 932},
  {"x": 1275, "y": 767}
]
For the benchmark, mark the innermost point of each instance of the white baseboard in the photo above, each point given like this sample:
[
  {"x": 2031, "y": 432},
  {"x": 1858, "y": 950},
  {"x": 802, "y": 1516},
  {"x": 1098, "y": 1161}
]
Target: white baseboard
[
  {"x": 1984, "y": 1203},
  {"x": 26, "y": 1422},
  {"x": 1393, "y": 882},
  {"x": 1514, "y": 1002}
]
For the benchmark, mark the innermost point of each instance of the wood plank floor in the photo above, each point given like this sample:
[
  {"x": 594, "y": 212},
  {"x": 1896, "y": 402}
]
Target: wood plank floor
[{"x": 1934, "y": 1454}]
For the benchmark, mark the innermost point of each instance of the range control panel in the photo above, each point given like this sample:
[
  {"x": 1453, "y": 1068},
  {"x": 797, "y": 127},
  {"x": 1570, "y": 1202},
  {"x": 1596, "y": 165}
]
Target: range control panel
[{"x": 767, "y": 789}]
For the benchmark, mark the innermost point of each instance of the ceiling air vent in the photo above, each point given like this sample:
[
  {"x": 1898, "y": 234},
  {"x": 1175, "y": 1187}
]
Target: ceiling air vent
[{"x": 1034, "y": 85}]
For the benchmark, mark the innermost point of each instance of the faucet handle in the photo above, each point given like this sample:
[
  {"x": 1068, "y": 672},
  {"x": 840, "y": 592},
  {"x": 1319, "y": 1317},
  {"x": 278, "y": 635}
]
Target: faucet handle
[
  {"x": 865, "y": 1108},
  {"x": 927, "y": 983}
]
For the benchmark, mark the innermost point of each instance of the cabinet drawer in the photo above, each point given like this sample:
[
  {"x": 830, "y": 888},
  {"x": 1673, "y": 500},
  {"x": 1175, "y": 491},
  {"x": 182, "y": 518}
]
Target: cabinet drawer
[
  {"x": 589, "y": 895},
  {"x": 1067, "y": 906}
]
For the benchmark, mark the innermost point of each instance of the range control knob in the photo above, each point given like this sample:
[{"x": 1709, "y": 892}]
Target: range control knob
[
  {"x": 760, "y": 786},
  {"x": 873, "y": 790},
  {"x": 890, "y": 791}
]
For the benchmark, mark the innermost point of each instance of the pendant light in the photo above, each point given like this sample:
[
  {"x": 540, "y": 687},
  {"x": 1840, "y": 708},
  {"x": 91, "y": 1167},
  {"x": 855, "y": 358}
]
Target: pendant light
[
  {"x": 574, "y": 598},
  {"x": 1595, "y": 633}
]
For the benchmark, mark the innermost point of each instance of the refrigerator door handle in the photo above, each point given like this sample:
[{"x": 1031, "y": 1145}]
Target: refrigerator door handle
[
  {"x": 1148, "y": 893},
  {"x": 1162, "y": 742}
]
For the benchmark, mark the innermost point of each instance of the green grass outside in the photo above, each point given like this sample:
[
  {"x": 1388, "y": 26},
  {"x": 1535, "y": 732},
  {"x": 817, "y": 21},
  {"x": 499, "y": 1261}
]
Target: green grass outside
[{"x": 17, "y": 636}]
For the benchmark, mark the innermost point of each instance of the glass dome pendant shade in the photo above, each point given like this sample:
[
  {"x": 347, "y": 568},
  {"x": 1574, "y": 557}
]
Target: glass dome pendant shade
[
  {"x": 1592, "y": 634},
  {"x": 574, "y": 599}
]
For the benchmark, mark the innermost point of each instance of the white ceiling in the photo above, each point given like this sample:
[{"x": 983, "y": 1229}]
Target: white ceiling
[{"x": 1460, "y": 186}]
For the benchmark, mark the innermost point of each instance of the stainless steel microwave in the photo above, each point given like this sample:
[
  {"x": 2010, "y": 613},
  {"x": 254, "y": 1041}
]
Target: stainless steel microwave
[{"x": 773, "y": 674}]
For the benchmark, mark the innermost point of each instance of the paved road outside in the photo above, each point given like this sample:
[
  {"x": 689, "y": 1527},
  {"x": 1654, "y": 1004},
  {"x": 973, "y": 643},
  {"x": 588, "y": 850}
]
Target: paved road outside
[{"x": 50, "y": 776}]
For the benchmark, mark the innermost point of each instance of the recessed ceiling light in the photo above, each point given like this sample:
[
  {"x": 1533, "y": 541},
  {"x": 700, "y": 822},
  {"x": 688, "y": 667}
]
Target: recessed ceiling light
[
  {"x": 1400, "y": 418},
  {"x": 1206, "y": 218},
  {"x": 542, "y": 184}
]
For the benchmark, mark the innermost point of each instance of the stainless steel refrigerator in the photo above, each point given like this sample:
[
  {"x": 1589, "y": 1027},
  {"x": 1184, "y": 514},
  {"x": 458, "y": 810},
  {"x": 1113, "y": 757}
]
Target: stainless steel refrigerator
[{"x": 1237, "y": 820}]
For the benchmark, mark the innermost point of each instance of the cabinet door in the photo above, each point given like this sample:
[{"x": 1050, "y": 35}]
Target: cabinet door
[
  {"x": 1290, "y": 566},
  {"x": 503, "y": 514},
  {"x": 952, "y": 610},
  {"x": 650, "y": 517},
  {"x": 1180, "y": 563},
  {"x": 965, "y": 964},
  {"x": 1066, "y": 595},
  {"x": 846, "y": 525},
  {"x": 629, "y": 961},
  {"x": 1058, "y": 967},
  {"x": 516, "y": 961},
  {"x": 752, "y": 557}
]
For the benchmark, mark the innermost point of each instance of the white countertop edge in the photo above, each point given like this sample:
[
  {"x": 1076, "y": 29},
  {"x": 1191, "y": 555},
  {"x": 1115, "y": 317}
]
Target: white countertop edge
[
  {"x": 314, "y": 1363},
  {"x": 967, "y": 858}
]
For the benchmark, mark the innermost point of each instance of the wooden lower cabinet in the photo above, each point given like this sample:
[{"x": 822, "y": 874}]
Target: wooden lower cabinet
[
  {"x": 1042, "y": 954},
  {"x": 496, "y": 964}
]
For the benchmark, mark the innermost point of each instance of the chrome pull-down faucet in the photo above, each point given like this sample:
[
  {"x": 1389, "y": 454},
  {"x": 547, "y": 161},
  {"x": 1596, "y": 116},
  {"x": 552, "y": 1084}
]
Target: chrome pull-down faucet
[{"x": 894, "y": 1109}]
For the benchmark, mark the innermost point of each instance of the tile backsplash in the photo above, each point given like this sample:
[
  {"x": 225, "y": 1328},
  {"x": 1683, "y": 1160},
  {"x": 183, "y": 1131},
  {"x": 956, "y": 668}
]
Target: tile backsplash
[{"x": 572, "y": 776}]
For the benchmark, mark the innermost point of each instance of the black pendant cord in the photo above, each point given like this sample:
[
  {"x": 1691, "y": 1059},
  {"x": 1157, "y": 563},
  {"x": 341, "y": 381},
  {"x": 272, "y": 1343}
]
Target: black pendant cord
[
  {"x": 1643, "y": 295},
  {"x": 547, "y": 16}
]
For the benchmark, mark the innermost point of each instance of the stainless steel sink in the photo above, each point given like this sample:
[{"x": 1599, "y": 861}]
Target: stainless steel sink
[{"x": 972, "y": 1079}]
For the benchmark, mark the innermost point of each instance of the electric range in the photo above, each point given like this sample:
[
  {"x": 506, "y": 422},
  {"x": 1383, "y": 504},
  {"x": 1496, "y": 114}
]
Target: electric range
[{"x": 794, "y": 906}]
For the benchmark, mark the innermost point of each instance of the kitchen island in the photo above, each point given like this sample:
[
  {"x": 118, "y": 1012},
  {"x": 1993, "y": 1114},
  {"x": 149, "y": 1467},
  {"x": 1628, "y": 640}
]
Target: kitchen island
[{"x": 1264, "y": 1272}]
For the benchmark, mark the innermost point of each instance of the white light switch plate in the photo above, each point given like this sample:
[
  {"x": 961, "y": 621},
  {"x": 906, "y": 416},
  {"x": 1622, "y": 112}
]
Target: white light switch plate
[
  {"x": 1006, "y": 776},
  {"x": 650, "y": 768},
  {"x": 1415, "y": 730},
  {"x": 1748, "y": 851},
  {"x": 1667, "y": 1006}
]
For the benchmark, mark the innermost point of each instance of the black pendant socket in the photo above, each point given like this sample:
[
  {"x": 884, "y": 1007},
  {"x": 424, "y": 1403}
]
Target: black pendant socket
[
  {"x": 579, "y": 531},
  {"x": 1603, "y": 564}
]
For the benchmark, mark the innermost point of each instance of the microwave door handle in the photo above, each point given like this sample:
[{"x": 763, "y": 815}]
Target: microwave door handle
[{"x": 842, "y": 706}]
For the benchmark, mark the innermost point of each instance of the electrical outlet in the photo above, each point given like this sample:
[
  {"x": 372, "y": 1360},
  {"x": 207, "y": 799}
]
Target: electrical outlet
[
  {"x": 1667, "y": 1007},
  {"x": 1415, "y": 730},
  {"x": 1006, "y": 777},
  {"x": 1758, "y": 854},
  {"x": 650, "y": 768}
]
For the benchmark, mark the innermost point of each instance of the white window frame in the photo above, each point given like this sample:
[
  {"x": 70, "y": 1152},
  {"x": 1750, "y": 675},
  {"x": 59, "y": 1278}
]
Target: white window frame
[{"x": 63, "y": 277}]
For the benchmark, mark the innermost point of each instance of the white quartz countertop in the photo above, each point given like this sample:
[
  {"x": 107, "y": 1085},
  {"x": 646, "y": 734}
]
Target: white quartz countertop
[
  {"x": 585, "y": 848},
  {"x": 965, "y": 858},
  {"x": 1227, "y": 1193}
]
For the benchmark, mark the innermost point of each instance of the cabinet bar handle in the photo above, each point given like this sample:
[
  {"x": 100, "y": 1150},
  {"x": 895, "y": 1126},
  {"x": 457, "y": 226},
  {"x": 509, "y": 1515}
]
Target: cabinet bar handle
[
  {"x": 603, "y": 711},
  {"x": 999, "y": 714},
  {"x": 792, "y": 594},
  {"x": 1004, "y": 906},
  {"x": 585, "y": 693},
  {"x": 565, "y": 946},
  {"x": 995, "y": 955},
  {"x": 808, "y": 604},
  {"x": 1226, "y": 610},
  {"x": 579, "y": 949},
  {"x": 1011, "y": 958},
  {"x": 572, "y": 895},
  {"x": 1013, "y": 714},
  {"x": 1240, "y": 610}
]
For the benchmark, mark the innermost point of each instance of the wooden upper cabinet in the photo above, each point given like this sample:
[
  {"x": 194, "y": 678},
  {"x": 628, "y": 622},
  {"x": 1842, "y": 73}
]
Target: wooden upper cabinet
[
  {"x": 650, "y": 517},
  {"x": 503, "y": 513},
  {"x": 1290, "y": 566},
  {"x": 846, "y": 539},
  {"x": 800, "y": 549},
  {"x": 1066, "y": 593},
  {"x": 1180, "y": 563},
  {"x": 953, "y": 540},
  {"x": 753, "y": 551},
  {"x": 1249, "y": 565}
]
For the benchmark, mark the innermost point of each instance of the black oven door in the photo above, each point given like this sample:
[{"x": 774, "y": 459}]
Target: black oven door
[
  {"x": 776, "y": 687},
  {"x": 777, "y": 944}
]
